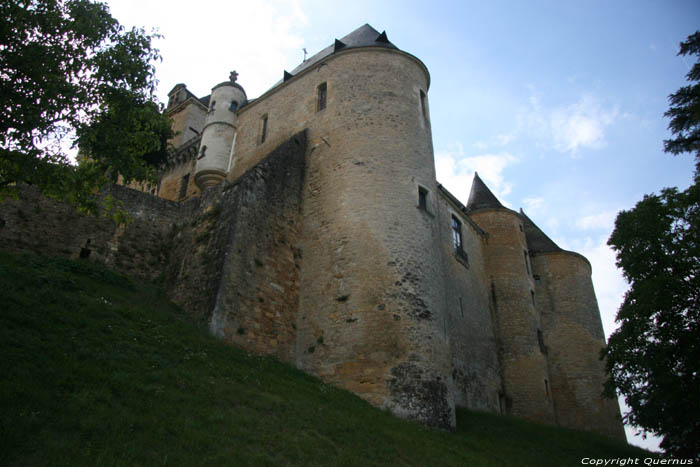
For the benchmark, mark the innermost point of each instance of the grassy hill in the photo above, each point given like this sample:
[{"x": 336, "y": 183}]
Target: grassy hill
[{"x": 97, "y": 369}]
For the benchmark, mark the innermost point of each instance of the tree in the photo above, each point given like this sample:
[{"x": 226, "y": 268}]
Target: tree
[
  {"x": 653, "y": 358},
  {"x": 685, "y": 108},
  {"x": 68, "y": 69}
]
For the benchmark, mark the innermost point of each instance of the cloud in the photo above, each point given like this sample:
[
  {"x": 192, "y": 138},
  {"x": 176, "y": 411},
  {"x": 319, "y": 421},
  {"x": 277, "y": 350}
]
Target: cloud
[
  {"x": 602, "y": 221},
  {"x": 567, "y": 128},
  {"x": 580, "y": 125},
  {"x": 456, "y": 171},
  {"x": 201, "y": 48}
]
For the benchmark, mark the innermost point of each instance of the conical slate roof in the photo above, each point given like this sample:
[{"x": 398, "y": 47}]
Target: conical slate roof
[
  {"x": 537, "y": 241},
  {"x": 480, "y": 196}
]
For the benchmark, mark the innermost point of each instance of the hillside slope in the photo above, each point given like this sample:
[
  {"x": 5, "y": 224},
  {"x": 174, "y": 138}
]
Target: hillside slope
[{"x": 96, "y": 369}]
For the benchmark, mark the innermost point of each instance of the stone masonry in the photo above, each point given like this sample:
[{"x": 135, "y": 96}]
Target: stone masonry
[{"x": 308, "y": 224}]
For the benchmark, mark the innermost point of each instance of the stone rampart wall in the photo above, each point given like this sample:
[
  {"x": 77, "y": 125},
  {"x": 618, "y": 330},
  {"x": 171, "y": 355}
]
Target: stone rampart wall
[
  {"x": 229, "y": 257},
  {"x": 468, "y": 318}
]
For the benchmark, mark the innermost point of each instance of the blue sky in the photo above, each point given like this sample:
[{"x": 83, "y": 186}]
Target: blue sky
[{"x": 557, "y": 104}]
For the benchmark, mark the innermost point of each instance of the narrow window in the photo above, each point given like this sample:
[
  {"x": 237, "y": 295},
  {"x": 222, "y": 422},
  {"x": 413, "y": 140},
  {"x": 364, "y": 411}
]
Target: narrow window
[
  {"x": 423, "y": 105},
  {"x": 532, "y": 296},
  {"x": 202, "y": 151},
  {"x": 546, "y": 387},
  {"x": 422, "y": 198},
  {"x": 540, "y": 341},
  {"x": 456, "y": 234},
  {"x": 183, "y": 186},
  {"x": 263, "y": 129},
  {"x": 521, "y": 227},
  {"x": 234, "y": 106},
  {"x": 212, "y": 107},
  {"x": 537, "y": 279},
  {"x": 527, "y": 262},
  {"x": 321, "y": 100}
]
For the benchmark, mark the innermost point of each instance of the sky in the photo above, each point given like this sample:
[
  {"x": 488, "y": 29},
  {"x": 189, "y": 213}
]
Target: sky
[{"x": 557, "y": 104}]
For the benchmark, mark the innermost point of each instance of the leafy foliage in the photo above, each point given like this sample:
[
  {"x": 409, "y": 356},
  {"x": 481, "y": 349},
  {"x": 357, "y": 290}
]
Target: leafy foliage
[
  {"x": 68, "y": 67},
  {"x": 684, "y": 111},
  {"x": 654, "y": 356}
]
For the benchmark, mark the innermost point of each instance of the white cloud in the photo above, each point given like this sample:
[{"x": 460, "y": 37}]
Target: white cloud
[
  {"x": 456, "y": 172},
  {"x": 567, "y": 128},
  {"x": 601, "y": 221},
  {"x": 201, "y": 47},
  {"x": 580, "y": 125}
]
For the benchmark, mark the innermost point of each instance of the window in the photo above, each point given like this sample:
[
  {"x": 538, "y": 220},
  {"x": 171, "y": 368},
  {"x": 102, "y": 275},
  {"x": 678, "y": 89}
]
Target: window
[
  {"x": 540, "y": 341},
  {"x": 456, "y": 234},
  {"x": 263, "y": 129},
  {"x": 212, "y": 107},
  {"x": 202, "y": 151},
  {"x": 234, "y": 106},
  {"x": 321, "y": 98},
  {"x": 527, "y": 262},
  {"x": 422, "y": 198},
  {"x": 532, "y": 296},
  {"x": 423, "y": 104},
  {"x": 546, "y": 388},
  {"x": 538, "y": 281},
  {"x": 521, "y": 227},
  {"x": 183, "y": 187}
]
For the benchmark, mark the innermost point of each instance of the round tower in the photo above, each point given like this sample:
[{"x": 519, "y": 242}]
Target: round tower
[
  {"x": 218, "y": 135},
  {"x": 526, "y": 380},
  {"x": 574, "y": 338},
  {"x": 372, "y": 299}
]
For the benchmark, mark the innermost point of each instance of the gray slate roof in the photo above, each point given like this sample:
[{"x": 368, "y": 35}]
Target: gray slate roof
[
  {"x": 537, "y": 241},
  {"x": 480, "y": 197},
  {"x": 364, "y": 36}
]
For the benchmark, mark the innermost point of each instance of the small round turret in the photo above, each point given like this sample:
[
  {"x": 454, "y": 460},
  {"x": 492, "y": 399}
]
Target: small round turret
[{"x": 218, "y": 136}]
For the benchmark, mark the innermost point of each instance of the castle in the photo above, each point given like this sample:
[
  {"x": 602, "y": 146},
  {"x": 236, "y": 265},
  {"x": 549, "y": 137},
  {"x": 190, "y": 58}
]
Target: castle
[{"x": 308, "y": 224}]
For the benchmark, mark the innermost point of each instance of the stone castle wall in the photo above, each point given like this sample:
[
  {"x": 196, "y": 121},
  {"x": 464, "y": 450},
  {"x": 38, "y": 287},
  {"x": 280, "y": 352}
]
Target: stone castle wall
[
  {"x": 229, "y": 257},
  {"x": 525, "y": 375},
  {"x": 469, "y": 318},
  {"x": 574, "y": 338},
  {"x": 317, "y": 248},
  {"x": 44, "y": 226}
]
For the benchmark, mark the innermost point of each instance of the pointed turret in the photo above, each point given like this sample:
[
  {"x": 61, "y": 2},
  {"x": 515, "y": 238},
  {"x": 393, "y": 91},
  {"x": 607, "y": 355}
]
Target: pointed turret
[
  {"x": 537, "y": 241},
  {"x": 480, "y": 196}
]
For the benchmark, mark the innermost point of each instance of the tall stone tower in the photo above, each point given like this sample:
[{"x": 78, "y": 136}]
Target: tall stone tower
[
  {"x": 573, "y": 334},
  {"x": 526, "y": 379},
  {"x": 371, "y": 296},
  {"x": 219, "y": 133}
]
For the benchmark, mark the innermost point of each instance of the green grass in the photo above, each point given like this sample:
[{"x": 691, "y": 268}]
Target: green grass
[{"x": 97, "y": 369}]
